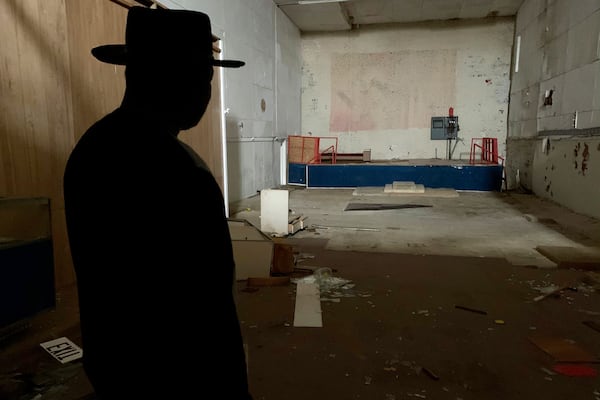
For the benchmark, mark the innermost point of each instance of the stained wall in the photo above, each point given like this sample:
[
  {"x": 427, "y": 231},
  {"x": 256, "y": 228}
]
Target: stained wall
[
  {"x": 554, "y": 123},
  {"x": 377, "y": 87}
]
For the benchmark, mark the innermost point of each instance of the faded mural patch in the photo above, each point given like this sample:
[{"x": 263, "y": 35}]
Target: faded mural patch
[{"x": 392, "y": 90}]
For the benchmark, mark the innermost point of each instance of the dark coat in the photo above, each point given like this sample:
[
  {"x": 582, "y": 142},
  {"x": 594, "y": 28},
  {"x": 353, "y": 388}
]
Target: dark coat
[{"x": 154, "y": 264}]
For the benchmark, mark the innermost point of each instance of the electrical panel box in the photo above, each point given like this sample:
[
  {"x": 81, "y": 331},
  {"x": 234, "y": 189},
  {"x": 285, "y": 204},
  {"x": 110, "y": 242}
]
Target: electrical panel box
[{"x": 443, "y": 128}]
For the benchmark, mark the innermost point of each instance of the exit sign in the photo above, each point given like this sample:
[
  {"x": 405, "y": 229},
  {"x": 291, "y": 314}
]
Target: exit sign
[{"x": 63, "y": 349}]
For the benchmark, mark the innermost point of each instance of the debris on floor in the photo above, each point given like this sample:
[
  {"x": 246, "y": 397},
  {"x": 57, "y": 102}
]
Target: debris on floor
[
  {"x": 324, "y": 278},
  {"x": 584, "y": 285},
  {"x": 296, "y": 223},
  {"x": 327, "y": 299},
  {"x": 300, "y": 257},
  {"x": 473, "y": 310},
  {"x": 547, "y": 371},
  {"x": 430, "y": 374},
  {"x": 575, "y": 370},
  {"x": 51, "y": 383},
  {"x": 350, "y": 228},
  {"x": 592, "y": 279},
  {"x": 562, "y": 350},
  {"x": 551, "y": 291},
  {"x": 592, "y": 324},
  {"x": 381, "y": 206}
]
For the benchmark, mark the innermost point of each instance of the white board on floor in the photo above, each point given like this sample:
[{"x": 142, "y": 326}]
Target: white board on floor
[{"x": 308, "y": 305}]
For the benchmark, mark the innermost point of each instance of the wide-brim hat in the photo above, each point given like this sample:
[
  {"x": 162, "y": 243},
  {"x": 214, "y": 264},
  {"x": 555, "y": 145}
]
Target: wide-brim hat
[{"x": 161, "y": 35}]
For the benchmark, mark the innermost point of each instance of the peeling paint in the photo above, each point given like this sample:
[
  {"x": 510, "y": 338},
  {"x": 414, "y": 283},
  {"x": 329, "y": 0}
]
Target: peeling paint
[{"x": 586, "y": 156}]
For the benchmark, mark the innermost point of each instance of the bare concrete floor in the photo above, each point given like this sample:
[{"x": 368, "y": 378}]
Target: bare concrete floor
[
  {"x": 478, "y": 224},
  {"x": 396, "y": 334}
]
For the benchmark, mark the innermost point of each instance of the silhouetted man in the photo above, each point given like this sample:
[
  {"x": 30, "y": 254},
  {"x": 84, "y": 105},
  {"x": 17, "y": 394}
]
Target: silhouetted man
[{"x": 147, "y": 226}]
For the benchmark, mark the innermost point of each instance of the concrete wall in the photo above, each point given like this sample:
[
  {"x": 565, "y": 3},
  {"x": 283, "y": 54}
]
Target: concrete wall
[
  {"x": 261, "y": 100},
  {"x": 567, "y": 170},
  {"x": 378, "y": 87},
  {"x": 554, "y": 141}
]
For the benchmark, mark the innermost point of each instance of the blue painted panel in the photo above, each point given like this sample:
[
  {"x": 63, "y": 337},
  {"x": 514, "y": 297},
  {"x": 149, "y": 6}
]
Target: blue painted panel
[
  {"x": 459, "y": 177},
  {"x": 297, "y": 173}
]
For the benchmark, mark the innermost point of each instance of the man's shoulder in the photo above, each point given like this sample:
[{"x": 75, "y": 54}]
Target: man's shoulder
[
  {"x": 110, "y": 120},
  {"x": 108, "y": 123}
]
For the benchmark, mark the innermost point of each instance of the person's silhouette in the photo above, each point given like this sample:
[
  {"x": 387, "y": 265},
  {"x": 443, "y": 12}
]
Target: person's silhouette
[{"x": 147, "y": 226}]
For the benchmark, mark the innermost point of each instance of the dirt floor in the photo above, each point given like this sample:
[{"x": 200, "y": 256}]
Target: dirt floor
[{"x": 431, "y": 302}]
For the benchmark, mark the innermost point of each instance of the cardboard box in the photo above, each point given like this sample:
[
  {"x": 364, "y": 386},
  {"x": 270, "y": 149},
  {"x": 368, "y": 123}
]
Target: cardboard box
[{"x": 283, "y": 258}]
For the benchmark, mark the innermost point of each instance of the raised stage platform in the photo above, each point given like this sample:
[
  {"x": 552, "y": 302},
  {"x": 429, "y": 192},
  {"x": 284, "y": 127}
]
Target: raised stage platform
[{"x": 432, "y": 173}]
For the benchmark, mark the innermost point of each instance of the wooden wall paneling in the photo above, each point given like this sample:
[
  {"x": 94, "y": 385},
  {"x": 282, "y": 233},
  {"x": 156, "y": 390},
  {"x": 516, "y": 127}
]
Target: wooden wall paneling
[
  {"x": 52, "y": 89},
  {"x": 205, "y": 138},
  {"x": 35, "y": 110},
  {"x": 98, "y": 87},
  {"x": 35, "y": 84},
  {"x": 12, "y": 111}
]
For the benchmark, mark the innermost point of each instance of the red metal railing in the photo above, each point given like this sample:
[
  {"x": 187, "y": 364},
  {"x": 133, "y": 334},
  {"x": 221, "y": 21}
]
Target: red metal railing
[
  {"x": 306, "y": 149},
  {"x": 485, "y": 151}
]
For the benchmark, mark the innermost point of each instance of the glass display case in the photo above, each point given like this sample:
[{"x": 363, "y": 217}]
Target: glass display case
[{"x": 26, "y": 261}]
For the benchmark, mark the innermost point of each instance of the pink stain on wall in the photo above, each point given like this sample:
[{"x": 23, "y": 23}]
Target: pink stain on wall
[
  {"x": 392, "y": 90},
  {"x": 344, "y": 118}
]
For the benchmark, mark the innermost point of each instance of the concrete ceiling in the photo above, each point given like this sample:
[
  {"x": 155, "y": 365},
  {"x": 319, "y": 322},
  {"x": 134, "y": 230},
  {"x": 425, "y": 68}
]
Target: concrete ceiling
[{"x": 336, "y": 15}]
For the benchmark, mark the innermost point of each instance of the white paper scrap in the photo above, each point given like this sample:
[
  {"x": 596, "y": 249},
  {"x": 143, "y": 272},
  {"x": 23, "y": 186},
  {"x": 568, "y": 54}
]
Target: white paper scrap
[
  {"x": 63, "y": 349},
  {"x": 308, "y": 305}
]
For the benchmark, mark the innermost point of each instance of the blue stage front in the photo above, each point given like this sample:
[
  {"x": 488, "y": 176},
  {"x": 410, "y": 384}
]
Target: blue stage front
[{"x": 459, "y": 177}]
